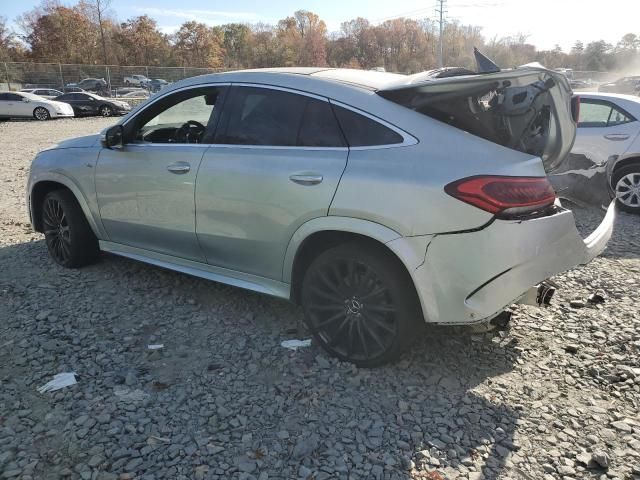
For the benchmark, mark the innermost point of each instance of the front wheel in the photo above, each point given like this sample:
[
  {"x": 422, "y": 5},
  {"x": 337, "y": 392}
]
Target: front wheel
[
  {"x": 626, "y": 184},
  {"x": 69, "y": 238},
  {"x": 106, "y": 111},
  {"x": 41, "y": 113},
  {"x": 360, "y": 304}
]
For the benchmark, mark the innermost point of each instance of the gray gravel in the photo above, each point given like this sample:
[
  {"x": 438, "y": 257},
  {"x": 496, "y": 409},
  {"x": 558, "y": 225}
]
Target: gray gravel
[{"x": 556, "y": 395}]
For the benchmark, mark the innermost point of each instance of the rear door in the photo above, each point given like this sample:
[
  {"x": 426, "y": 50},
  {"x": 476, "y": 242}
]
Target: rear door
[
  {"x": 605, "y": 130},
  {"x": 275, "y": 164},
  {"x": 11, "y": 105}
]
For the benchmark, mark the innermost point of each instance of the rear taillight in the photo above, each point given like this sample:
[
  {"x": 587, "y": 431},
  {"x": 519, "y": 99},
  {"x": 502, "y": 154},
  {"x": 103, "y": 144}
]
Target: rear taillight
[
  {"x": 505, "y": 196},
  {"x": 575, "y": 108}
]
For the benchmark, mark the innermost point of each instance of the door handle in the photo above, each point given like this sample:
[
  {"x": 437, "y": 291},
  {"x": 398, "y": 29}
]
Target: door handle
[
  {"x": 306, "y": 179},
  {"x": 179, "y": 167},
  {"x": 617, "y": 137}
]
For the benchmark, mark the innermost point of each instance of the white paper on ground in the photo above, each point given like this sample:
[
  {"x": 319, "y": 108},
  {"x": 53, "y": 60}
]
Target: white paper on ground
[
  {"x": 156, "y": 346},
  {"x": 59, "y": 381},
  {"x": 296, "y": 344}
]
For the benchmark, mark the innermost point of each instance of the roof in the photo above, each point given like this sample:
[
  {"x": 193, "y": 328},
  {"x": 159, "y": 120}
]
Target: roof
[{"x": 369, "y": 79}]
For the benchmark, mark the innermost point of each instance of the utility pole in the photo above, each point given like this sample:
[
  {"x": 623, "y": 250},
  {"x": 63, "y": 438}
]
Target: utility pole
[{"x": 441, "y": 11}]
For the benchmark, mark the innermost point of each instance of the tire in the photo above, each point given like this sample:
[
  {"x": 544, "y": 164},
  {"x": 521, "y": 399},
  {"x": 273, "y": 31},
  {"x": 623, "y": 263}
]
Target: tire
[
  {"x": 106, "y": 111},
  {"x": 69, "y": 238},
  {"x": 360, "y": 304},
  {"x": 41, "y": 113},
  {"x": 626, "y": 186}
]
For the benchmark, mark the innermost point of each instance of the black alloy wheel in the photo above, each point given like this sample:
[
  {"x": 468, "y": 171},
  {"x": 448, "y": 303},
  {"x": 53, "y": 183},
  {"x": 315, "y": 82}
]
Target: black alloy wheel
[
  {"x": 69, "y": 238},
  {"x": 359, "y": 304}
]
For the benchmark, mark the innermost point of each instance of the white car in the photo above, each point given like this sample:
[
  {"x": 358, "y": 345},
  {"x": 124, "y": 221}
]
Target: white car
[
  {"x": 28, "y": 105},
  {"x": 48, "y": 93},
  {"x": 137, "y": 80},
  {"x": 605, "y": 160}
]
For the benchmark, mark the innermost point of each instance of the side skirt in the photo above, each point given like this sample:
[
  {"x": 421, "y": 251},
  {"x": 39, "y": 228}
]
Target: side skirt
[{"x": 202, "y": 270}]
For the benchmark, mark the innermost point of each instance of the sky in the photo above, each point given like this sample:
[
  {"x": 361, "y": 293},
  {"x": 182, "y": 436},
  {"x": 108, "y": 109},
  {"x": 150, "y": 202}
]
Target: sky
[{"x": 545, "y": 22}]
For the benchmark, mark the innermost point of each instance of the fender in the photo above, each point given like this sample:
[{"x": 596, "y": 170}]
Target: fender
[
  {"x": 58, "y": 177},
  {"x": 375, "y": 231}
]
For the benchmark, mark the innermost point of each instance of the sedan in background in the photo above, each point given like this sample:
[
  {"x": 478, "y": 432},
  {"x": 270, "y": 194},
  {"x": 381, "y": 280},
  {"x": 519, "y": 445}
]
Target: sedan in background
[
  {"x": 155, "y": 85},
  {"x": 90, "y": 84},
  {"x": 91, "y": 104},
  {"x": 629, "y": 85},
  {"x": 49, "y": 93},
  {"x": 28, "y": 105},
  {"x": 604, "y": 162}
]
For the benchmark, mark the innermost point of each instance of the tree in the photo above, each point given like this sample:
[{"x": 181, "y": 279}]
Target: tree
[
  {"x": 197, "y": 45},
  {"x": 237, "y": 43},
  {"x": 596, "y": 56},
  {"x": 141, "y": 43},
  {"x": 100, "y": 8}
]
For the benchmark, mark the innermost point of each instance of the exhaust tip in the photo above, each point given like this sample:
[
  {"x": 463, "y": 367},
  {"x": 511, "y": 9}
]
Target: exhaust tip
[{"x": 546, "y": 290}]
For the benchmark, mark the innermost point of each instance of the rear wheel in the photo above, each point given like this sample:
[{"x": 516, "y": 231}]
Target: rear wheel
[
  {"x": 106, "y": 111},
  {"x": 626, "y": 184},
  {"x": 41, "y": 113},
  {"x": 360, "y": 304},
  {"x": 69, "y": 238}
]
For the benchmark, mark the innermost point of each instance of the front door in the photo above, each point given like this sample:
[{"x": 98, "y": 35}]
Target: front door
[
  {"x": 146, "y": 189},
  {"x": 276, "y": 162}
]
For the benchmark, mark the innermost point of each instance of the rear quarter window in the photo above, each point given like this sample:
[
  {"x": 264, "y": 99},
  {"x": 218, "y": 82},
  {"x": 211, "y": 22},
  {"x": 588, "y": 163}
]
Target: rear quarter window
[{"x": 362, "y": 131}]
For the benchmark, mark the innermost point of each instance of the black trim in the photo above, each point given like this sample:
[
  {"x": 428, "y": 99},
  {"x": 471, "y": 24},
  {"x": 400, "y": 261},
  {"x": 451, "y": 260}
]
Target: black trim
[{"x": 486, "y": 283}]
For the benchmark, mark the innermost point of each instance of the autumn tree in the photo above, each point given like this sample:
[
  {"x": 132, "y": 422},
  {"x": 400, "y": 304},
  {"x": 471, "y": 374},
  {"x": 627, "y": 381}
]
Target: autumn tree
[
  {"x": 197, "y": 45},
  {"x": 237, "y": 41},
  {"x": 10, "y": 48},
  {"x": 141, "y": 43}
]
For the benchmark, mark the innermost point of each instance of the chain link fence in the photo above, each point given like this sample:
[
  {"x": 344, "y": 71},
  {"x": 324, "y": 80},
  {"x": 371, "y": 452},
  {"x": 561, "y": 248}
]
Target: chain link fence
[{"x": 19, "y": 75}]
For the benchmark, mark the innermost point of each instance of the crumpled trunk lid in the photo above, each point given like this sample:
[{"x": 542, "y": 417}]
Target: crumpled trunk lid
[{"x": 528, "y": 109}]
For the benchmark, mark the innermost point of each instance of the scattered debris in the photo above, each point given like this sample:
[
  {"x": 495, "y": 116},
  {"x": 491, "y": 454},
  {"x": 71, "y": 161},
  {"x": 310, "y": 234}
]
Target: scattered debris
[
  {"x": 296, "y": 344},
  {"x": 577, "y": 303},
  {"x": 571, "y": 348},
  {"x": 596, "y": 299},
  {"x": 601, "y": 458},
  {"x": 154, "y": 440},
  {"x": 59, "y": 381},
  {"x": 156, "y": 346}
]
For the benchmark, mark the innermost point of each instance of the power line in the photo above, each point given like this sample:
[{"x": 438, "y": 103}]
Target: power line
[{"x": 440, "y": 10}]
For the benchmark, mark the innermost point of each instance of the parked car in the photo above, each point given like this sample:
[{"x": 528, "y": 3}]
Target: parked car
[
  {"x": 581, "y": 84},
  {"x": 72, "y": 90},
  {"x": 628, "y": 85},
  {"x": 28, "y": 105},
  {"x": 139, "y": 93},
  {"x": 90, "y": 85},
  {"x": 92, "y": 104},
  {"x": 605, "y": 160},
  {"x": 49, "y": 93},
  {"x": 443, "y": 212},
  {"x": 155, "y": 85},
  {"x": 136, "y": 80}
]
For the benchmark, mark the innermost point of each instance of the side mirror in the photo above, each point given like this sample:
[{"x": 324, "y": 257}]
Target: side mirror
[
  {"x": 25, "y": 100},
  {"x": 113, "y": 137}
]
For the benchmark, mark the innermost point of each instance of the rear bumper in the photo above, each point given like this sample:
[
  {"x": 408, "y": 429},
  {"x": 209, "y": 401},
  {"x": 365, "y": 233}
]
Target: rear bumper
[{"x": 471, "y": 277}]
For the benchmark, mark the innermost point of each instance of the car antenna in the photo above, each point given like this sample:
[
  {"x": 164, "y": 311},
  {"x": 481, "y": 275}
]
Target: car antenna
[{"x": 483, "y": 63}]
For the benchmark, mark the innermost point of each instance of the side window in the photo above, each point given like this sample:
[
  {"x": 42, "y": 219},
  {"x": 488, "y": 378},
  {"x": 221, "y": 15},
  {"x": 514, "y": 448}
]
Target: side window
[
  {"x": 362, "y": 131},
  {"x": 183, "y": 117},
  {"x": 593, "y": 115},
  {"x": 601, "y": 114},
  {"x": 262, "y": 116},
  {"x": 319, "y": 127},
  {"x": 4, "y": 97},
  {"x": 13, "y": 97},
  {"x": 618, "y": 117}
]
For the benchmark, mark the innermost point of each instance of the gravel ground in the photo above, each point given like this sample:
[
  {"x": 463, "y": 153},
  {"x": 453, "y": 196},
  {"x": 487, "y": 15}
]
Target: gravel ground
[{"x": 556, "y": 395}]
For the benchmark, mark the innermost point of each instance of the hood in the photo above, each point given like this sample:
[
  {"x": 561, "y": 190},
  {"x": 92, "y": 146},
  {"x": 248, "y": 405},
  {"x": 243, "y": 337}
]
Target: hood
[{"x": 79, "y": 142}]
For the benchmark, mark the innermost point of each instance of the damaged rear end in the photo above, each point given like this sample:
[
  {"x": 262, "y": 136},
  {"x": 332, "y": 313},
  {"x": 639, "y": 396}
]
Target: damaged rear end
[{"x": 528, "y": 236}]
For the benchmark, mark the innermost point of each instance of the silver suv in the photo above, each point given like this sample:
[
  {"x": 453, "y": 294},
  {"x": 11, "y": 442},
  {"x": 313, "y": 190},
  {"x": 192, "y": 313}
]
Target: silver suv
[{"x": 375, "y": 200}]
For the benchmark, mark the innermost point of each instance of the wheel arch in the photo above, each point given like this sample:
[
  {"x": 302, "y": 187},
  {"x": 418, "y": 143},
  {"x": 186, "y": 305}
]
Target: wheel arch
[
  {"x": 41, "y": 187},
  {"x": 318, "y": 235},
  {"x": 634, "y": 159}
]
